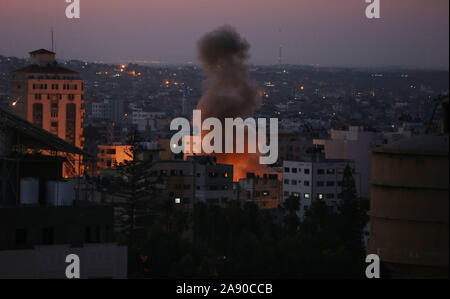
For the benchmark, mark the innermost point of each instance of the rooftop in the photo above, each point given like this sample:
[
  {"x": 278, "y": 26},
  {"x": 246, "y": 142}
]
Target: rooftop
[
  {"x": 424, "y": 144},
  {"x": 47, "y": 69},
  {"x": 34, "y": 137},
  {"x": 41, "y": 51}
]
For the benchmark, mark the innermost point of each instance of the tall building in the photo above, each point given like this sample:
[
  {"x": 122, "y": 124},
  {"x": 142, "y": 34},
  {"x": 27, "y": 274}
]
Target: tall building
[
  {"x": 49, "y": 96},
  {"x": 352, "y": 144},
  {"x": 317, "y": 178}
]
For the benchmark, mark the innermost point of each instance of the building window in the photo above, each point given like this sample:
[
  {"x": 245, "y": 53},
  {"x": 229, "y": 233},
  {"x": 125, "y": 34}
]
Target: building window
[
  {"x": 330, "y": 171},
  {"x": 330, "y": 183},
  {"x": 320, "y": 171},
  {"x": 98, "y": 233},
  {"x": 37, "y": 114},
  {"x": 294, "y": 182},
  {"x": 320, "y": 183},
  {"x": 306, "y": 183},
  {"x": 21, "y": 236},
  {"x": 71, "y": 123},
  {"x": 286, "y": 169},
  {"x": 71, "y": 96},
  {"x": 320, "y": 196},
  {"x": 37, "y": 96},
  {"x": 306, "y": 195},
  {"x": 306, "y": 171},
  {"x": 48, "y": 236},
  {"x": 286, "y": 182},
  {"x": 330, "y": 195},
  {"x": 87, "y": 235},
  {"x": 294, "y": 170}
]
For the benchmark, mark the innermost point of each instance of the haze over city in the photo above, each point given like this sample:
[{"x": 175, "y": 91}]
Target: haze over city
[{"x": 319, "y": 32}]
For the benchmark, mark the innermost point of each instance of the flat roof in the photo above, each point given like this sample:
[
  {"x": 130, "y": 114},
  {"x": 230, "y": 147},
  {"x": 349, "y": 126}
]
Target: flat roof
[
  {"x": 48, "y": 69},
  {"x": 41, "y": 51},
  {"x": 35, "y": 137}
]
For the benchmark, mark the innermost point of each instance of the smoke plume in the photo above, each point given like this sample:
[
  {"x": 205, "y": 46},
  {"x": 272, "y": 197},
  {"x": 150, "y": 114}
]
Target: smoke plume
[{"x": 229, "y": 92}]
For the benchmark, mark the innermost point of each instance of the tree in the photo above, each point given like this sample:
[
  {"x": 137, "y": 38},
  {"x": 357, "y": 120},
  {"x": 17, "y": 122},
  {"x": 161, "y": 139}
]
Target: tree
[
  {"x": 350, "y": 219},
  {"x": 291, "y": 219}
]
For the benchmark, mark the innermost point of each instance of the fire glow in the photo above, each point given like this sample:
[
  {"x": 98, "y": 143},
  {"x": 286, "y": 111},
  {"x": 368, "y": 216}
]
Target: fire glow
[
  {"x": 230, "y": 94},
  {"x": 210, "y": 140}
]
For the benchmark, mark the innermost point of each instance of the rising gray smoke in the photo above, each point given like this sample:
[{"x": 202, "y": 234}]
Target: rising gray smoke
[{"x": 229, "y": 91}]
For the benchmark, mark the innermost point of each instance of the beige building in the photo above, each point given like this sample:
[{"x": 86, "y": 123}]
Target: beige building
[
  {"x": 51, "y": 97},
  {"x": 409, "y": 207}
]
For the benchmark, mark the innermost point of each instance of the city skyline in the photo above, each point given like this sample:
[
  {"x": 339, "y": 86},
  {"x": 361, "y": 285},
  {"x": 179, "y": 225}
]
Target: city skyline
[{"x": 408, "y": 34}]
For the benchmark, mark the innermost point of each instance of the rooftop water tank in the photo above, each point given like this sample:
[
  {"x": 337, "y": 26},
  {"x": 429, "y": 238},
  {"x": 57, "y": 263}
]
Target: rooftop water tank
[
  {"x": 29, "y": 191},
  {"x": 60, "y": 193}
]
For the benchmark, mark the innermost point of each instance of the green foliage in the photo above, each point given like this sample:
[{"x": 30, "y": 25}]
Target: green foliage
[{"x": 241, "y": 241}]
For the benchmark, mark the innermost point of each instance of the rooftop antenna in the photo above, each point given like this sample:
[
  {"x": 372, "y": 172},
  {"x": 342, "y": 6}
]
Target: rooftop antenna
[
  {"x": 280, "y": 54},
  {"x": 280, "y": 50},
  {"x": 53, "y": 43}
]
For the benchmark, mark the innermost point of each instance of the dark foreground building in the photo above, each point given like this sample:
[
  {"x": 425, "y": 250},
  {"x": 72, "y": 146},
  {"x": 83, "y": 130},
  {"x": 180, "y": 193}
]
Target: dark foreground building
[
  {"x": 410, "y": 205},
  {"x": 41, "y": 219}
]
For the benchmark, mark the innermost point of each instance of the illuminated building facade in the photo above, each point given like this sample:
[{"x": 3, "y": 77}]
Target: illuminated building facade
[
  {"x": 51, "y": 97},
  {"x": 110, "y": 156}
]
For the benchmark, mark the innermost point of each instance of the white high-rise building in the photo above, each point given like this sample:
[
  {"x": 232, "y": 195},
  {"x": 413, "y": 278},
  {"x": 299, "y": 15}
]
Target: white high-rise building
[{"x": 317, "y": 178}]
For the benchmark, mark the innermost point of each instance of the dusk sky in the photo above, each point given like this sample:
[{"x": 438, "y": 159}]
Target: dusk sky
[{"x": 410, "y": 33}]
